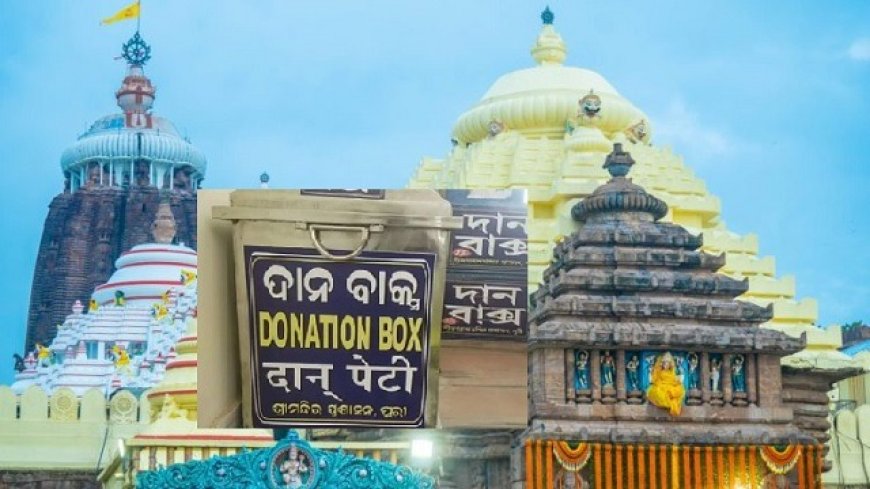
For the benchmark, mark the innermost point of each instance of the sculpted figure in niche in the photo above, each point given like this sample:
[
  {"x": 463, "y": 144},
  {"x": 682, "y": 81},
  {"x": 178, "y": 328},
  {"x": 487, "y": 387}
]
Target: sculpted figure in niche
[
  {"x": 607, "y": 369},
  {"x": 693, "y": 371},
  {"x": 666, "y": 389},
  {"x": 715, "y": 372},
  {"x": 631, "y": 372},
  {"x": 738, "y": 374},
  {"x": 581, "y": 370}
]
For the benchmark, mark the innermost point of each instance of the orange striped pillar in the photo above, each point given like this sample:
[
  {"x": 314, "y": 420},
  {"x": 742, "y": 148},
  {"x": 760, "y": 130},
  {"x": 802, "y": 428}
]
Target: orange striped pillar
[
  {"x": 687, "y": 468},
  {"x": 663, "y": 466},
  {"x": 539, "y": 463},
  {"x": 697, "y": 460},
  {"x": 608, "y": 466},
  {"x": 801, "y": 468},
  {"x": 619, "y": 449},
  {"x": 530, "y": 478},
  {"x": 652, "y": 467},
  {"x": 548, "y": 457},
  {"x": 630, "y": 465},
  {"x": 732, "y": 465},
  {"x": 710, "y": 468},
  {"x": 753, "y": 464},
  {"x": 598, "y": 481},
  {"x": 811, "y": 467},
  {"x": 641, "y": 472},
  {"x": 720, "y": 466}
]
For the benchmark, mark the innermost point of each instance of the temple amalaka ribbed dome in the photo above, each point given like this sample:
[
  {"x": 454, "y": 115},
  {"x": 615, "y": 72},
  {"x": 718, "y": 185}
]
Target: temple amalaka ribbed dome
[
  {"x": 540, "y": 99},
  {"x": 107, "y": 151}
]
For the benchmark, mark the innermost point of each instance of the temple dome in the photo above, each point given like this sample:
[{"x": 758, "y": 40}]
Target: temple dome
[
  {"x": 146, "y": 272},
  {"x": 543, "y": 98},
  {"x": 109, "y": 139}
]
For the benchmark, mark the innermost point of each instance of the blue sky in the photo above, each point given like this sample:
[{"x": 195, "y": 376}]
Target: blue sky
[{"x": 767, "y": 101}]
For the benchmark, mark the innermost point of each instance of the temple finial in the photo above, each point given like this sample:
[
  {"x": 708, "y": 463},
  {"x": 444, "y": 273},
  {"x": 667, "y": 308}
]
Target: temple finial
[
  {"x": 618, "y": 162},
  {"x": 547, "y": 16},
  {"x": 136, "y": 51},
  {"x": 549, "y": 49},
  {"x": 163, "y": 228}
]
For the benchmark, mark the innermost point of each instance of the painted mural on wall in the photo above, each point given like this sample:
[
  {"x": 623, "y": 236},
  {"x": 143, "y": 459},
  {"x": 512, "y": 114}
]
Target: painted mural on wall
[{"x": 339, "y": 342}]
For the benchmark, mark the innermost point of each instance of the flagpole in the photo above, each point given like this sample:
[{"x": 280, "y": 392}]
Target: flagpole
[{"x": 138, "y": 17}]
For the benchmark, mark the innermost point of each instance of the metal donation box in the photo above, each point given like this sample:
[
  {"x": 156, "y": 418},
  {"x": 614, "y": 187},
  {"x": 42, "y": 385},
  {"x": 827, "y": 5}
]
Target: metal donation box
[{"x": 339, "y": 299}]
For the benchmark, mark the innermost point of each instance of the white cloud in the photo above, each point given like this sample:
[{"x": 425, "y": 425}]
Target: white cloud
[
  {"x": 680, "y": 128},
  {"x": 860, "y": 49}
]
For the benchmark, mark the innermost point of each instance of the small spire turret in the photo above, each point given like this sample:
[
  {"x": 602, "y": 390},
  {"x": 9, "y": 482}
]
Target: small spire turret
[{"x": 549, "y": 48}]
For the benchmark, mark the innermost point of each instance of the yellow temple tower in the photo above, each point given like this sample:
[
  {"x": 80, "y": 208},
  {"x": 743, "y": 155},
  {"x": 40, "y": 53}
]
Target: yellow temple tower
[{"x": 548, "y": 129}]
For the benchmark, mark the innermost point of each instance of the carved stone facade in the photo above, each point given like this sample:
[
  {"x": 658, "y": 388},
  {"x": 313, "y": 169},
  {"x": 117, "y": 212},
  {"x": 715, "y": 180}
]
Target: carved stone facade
[
  {"x": 635, "y": 339},
  {"x": 84, "y": 233}
]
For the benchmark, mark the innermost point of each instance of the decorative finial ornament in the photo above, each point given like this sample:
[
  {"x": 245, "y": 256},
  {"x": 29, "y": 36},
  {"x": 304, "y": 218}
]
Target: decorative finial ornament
[
  {"x": 163, "y": 228},
  {"x": 549, "y": 49},
  {"x": 547, "y": 16},
  {"x": 136, "y": 51},
  {"x": 618, "y": 162},
  {"x": 619, "y": 198}
]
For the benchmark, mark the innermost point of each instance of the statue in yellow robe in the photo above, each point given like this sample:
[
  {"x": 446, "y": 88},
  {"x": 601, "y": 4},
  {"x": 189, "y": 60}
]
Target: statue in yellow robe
[{"x": 666, "y": 387}]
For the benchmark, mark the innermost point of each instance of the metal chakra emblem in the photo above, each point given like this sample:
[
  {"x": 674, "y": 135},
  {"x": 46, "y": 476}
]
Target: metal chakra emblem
[
  {"x": 136, "y": 51},
  {"x": 590, "y": 105}
]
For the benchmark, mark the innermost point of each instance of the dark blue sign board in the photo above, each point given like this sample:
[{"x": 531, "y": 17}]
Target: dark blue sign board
[
  {"x": 486, "y": 295},
  {"x": 339, "y": 342}
]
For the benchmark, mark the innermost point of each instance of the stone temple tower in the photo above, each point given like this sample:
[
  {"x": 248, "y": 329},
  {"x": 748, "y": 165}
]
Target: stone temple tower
[
  {"x": 116, "y": 175},
  {"x": 644, "y": 371}
]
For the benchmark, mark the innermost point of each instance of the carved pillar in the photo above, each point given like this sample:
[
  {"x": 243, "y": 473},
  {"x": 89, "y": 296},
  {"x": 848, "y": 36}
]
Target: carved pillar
[
  {"x": 620, "y": 376},
  {"x": 725, "y": 378},
  {"x": 570, "y": 395},
  {"x": 705, "y": 377},
  {"x": 751, "y": 379},
  {"x": 595, "y": 374}
]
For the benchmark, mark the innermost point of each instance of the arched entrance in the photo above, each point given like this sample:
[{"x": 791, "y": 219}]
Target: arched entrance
[{"x": 292, "y": 464}]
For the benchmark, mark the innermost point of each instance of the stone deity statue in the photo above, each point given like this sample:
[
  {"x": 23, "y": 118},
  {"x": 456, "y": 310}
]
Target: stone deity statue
[
  {"x": 293, "y": 469},
  {"x": 631, "y": 373},
  {"x": 581, "y": 370},
  {"x": 693, "y": 371},
  {"x": 44, "y": 355},
  {"x": 607, "y": 370},
  {"x": 715, "y": 372},
  {"x": 738, "y": 374},
  {"x": 666, "y": 389}
]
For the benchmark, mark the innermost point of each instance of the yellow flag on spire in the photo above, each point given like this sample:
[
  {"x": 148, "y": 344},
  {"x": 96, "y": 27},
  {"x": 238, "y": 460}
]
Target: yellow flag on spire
[{"x": 129, "y": 12}]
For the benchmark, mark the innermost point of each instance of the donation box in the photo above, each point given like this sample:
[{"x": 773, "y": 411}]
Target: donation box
[{"x": 339, "y": 300}]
